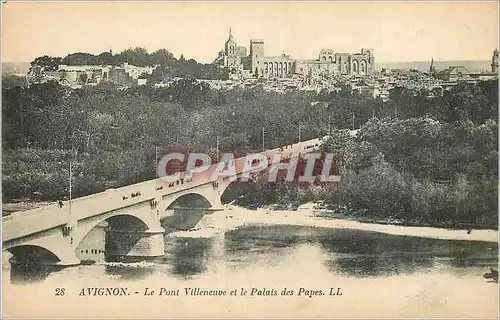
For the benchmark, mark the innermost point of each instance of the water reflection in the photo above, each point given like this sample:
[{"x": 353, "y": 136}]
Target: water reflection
[
  {"x": 186, "y": 256},
  {"x": 372, "y": 266},
  {"x": 357, "y": 253},
  {"x": 361, "y": 254},
  {"x": 465, "y": 262},
  {"x": 131, "y": 271},
  {"x": 352, "y": 253},
  {"x": 23, "y": 273},
  {"x": 260, "y": 245}
]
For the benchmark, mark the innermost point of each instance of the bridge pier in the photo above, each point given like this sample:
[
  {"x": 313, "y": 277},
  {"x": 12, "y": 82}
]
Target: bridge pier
[
  {"x": 134, "y": 243},
  {"x": 68, "y": 257}
]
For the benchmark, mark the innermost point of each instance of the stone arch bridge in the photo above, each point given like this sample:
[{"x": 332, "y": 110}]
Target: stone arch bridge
[{"x": 50, "y": 234}]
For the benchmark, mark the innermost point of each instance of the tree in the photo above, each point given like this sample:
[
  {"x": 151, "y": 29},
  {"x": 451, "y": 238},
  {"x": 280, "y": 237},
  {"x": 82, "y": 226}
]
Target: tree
[
  {"x": 136, "y": 56},
  {"x": 80, "y": 59},
  {"x": 105, "y": 58},
  {"x": 49, "y": 63},
  {"x": 162, "y": 57},
  {"x": 83, "y": 78}
]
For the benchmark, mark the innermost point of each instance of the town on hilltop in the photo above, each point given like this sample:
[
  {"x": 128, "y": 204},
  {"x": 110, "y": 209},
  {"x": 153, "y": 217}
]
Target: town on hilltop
[{"x": 238, "y": 67}]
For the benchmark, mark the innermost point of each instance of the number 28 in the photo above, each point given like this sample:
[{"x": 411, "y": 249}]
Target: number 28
[{"x": 60, "y": 291}]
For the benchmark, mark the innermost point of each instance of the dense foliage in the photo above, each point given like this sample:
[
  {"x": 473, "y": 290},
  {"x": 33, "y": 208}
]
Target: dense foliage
[
  {"x": 11, "y": 81},
  {"x": 420, "y": 170},
  {"x": 414, "y": 159},
  {"x": 167, "y": 65}
]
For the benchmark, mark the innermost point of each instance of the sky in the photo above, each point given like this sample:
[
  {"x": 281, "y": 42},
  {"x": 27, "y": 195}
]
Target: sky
[{"x": 397, "y": 31}]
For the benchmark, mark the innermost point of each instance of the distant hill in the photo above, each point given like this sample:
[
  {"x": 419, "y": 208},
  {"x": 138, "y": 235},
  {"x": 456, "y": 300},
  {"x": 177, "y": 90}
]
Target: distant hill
[
  {"x": 17, "y": 68},
  {"x": 471, "y": 65}
]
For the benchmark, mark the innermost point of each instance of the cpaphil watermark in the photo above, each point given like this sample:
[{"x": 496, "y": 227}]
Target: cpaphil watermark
[{"x": 304, "y": 167}]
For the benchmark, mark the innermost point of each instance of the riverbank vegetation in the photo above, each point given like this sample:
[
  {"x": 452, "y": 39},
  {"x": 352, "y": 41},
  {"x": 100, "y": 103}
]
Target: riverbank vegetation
[
  {"x": 415, "y": 158},
  {"x": 438, "y": 169}
]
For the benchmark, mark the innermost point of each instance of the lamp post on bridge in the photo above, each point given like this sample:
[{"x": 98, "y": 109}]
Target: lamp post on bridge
[
  {"x": 217, "y": 151},
  {"x": 72, "y": 222},
  {"x": 73, "y": 158},
  {"x": 263, "y": 139},
  {"x": 157, "y": 153},
  {"x": 300, "y": 132},
  {"x": 329, "y": 126},
  {"x": 71, "y": 219},
  {"x": 70, "y": 187}
]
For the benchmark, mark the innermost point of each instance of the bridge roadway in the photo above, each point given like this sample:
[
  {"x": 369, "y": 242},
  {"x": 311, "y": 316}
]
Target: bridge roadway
[{"x": 31, "y": 222}]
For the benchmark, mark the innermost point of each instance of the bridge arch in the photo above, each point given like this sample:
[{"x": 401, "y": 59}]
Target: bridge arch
[
  {"x": 49, "y": 247},
  {"x": 192, "y": 199},
  {"x": 33, "y": 254},
  {"x": 115, "y": 220},
  {"x": 206, "y": 197},
  {"x": 120, "y": 235},
  {"x": 185, "y": 211},
  {"x": 234, "y": 190}
]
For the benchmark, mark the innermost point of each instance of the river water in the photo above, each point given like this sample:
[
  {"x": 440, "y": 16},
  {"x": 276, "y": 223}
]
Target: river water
[{"x": 369, "y": 275}]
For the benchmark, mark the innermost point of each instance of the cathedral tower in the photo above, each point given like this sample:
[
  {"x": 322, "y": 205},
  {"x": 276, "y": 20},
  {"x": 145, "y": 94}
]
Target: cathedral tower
[{"x": 230, "y": 46}]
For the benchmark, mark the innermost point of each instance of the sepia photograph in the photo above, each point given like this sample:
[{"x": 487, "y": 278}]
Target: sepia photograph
[{"x": 249, "y": 159}]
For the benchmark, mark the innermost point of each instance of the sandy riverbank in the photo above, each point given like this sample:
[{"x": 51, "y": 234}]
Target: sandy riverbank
[{"x": 233, "y": 217}]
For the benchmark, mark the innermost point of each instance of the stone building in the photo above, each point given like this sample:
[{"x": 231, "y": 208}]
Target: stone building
[
  {"x": 128, "y": 74},
  {"x": 80, "y": 75},
  {"x": 77, "y": 76},
  {"x": 328, "y": 63},
  {"x": 269, "y": 67}
]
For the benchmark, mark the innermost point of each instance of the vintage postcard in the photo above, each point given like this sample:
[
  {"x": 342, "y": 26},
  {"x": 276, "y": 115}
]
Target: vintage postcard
[{"x": 249, "y": 159}]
